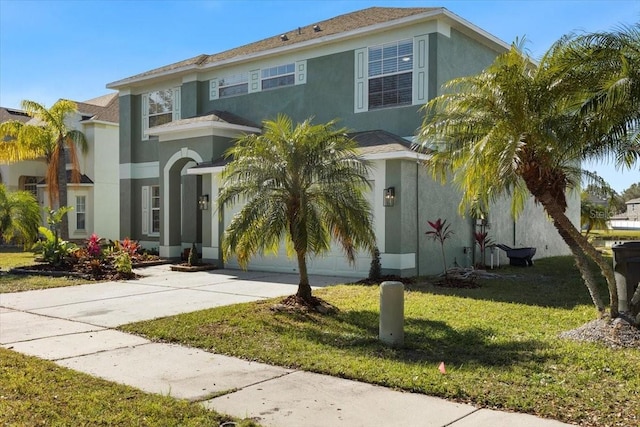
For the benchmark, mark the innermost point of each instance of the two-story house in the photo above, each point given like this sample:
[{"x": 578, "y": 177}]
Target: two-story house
[
  {"x": 95, "y": 199},
  {"x": 372, "y": 70}
]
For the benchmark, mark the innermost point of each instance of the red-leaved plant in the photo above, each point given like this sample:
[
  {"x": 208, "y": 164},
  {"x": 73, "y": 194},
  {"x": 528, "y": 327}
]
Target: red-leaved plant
[
  {"x": 440, "y": 232},
  {"x": 482, "y": 241},
  {"x": 93, "y": 246}
]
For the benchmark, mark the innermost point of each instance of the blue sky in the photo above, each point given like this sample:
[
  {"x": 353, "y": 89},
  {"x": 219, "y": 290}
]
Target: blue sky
[{"x": 72, "y": 49}]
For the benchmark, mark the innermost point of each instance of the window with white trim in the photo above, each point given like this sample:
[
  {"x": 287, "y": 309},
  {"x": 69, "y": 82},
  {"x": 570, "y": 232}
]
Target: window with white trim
[
  {"x": 275, "y": 77},
  {"x": 159, "y": 107},
  {"x": 237, "y": 84},
  {"x": 391, "y": 74},
  {"x": 81, "y": 206},
  {"x": 30, "y": 184},
  {"x": 155, "y": 209},
  {"x": 151, "y": 210}
]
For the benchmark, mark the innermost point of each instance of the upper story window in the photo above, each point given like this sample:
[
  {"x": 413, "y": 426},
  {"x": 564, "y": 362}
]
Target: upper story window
[
  {"x": 274, "y": 77},
  {"x": 237, "y": 84},
  {"x": 391, "y": 74},
  {"x": 159, "y": 107},
  {"x": 30, "y": 184},
  {"x": 258, "y": 80}
]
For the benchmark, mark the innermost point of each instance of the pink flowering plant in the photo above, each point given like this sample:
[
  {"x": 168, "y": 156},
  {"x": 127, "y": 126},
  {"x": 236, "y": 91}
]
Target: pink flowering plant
[{"x": 94, "y": 246}]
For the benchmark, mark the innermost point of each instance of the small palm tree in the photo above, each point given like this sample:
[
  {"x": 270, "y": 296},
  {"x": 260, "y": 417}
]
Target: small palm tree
[
  {"x": 19, "y": 216},
  {"x": 303, "y": 184},
  {"x": 49, "y": 138}
]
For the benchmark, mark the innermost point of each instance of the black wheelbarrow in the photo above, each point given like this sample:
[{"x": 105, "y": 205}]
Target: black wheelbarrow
[{"x": 519, "y": 256}]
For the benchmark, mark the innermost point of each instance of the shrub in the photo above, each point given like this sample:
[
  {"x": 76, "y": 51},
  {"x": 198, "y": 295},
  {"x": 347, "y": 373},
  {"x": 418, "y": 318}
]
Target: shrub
[
  {"x": 193, "y": 255},
  {"x": 375, "y": 271}
]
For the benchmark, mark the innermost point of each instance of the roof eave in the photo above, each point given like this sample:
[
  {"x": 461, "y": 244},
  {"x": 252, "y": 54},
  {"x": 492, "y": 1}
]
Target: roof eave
[{"x": 384, "y": 26}]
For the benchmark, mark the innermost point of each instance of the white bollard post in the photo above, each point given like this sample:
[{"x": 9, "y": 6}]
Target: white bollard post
[{"x": 392, "y": 313}]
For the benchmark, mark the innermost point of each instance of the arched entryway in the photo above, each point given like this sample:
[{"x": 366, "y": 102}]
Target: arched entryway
[{"x": 180, "y": 216}]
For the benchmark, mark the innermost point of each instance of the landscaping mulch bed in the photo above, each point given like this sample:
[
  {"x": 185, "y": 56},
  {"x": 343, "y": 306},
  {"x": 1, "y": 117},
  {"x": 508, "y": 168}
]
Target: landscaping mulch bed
[{"x": 83, "y": 271}]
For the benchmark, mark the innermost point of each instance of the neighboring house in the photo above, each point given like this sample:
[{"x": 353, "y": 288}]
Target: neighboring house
[
  {"x": 373, "y": 70},
  {"x": 630, "y": 220},
  {"x": 95, "y": 199}
]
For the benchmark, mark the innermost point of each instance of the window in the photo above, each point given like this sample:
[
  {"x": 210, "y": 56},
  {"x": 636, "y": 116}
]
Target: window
[
  {"x": 275, "y": 77},
  {"x": 155, "y": 209},
  {"x": 30, "y": 184},
  {"x": 159, "y": 107},
  {"x": 391, "y": 74},
  {"x": 81, "y": 203},
  {"x": 237, "y": 84}
]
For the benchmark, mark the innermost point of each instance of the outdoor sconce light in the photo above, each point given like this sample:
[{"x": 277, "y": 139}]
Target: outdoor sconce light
[
  {"x": 203, "y": 202},
  {"x": 389, "y": 197}
]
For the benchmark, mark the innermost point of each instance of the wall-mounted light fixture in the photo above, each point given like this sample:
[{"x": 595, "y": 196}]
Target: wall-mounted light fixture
[
  {"x": 203, "y": 202},
  {"x": 389, "y": 197}
]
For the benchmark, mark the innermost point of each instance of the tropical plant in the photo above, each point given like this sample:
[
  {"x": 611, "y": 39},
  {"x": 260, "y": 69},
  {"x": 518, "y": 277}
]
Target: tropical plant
[
  {"x": 122, "y": 263},
  {"x": 50, "y": 138},
  {"x": 53, "y": 249},
  {"x": 94, "y": 246},
  {"x": 19, "y": 216},
  {"x": 440, "y": 233},
  {"x": 593, "y": 216},
  {"x": 304, "y": 184},
  {"x": 483, "y": 240},
  {"x": 517, "y": 129}
]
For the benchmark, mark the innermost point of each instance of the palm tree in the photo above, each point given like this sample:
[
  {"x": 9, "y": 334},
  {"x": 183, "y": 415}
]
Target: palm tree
[
  {"x": 593, "y": 216},
  {"x": 304, "y": 185},
  {"x": 19, "y": 216},
  {"x": 607, "y": 64},
  {"x": 49, "y": 137},
  {"x": 513, "y": 130}
]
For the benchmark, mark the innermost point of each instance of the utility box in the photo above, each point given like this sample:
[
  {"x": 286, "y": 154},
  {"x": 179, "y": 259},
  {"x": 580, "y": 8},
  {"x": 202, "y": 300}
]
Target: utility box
[
  {"x": 626, "y": 267},
  {"x": 392, "y": 313}
]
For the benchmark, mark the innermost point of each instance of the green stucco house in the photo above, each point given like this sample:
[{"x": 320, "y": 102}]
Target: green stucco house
[{"x": 372, "y": 70}]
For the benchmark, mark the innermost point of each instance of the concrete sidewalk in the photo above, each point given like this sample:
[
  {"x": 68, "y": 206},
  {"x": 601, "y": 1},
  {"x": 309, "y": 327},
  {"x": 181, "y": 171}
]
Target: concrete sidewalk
[{"x": 73, "y": 327}]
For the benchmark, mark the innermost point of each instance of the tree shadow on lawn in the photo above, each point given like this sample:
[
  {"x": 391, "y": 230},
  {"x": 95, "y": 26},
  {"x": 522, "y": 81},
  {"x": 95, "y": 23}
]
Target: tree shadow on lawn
[
  {"x": 551, "y": 282},
  {"x": 426, "y": 341}
]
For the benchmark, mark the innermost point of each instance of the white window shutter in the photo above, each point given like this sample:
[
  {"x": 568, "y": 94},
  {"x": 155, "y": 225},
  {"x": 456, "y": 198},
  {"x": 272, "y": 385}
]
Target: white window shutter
[
  {"x": 301, "y": 72},
  {"x": 254, "y": 81},
  {"x": 176, "y": 104},
  {"x": 145, "y": 209},
  {"x": 213, "y": 89},
  {"x": 361, "y": 81},
  {"x": 145, "y": 116},
  {"x": 421, "y": 69}
]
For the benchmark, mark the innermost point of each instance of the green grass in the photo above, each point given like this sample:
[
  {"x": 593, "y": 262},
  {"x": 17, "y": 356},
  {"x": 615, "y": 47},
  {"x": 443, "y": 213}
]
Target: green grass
[
  {"x": 12, "y": 257},
  {"x": 499, "y": 343},
  {"x": 36, "y": 392}
]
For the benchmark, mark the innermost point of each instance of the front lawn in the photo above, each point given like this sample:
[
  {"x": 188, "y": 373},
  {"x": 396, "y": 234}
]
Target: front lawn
[
  {"x": 499, "y": 344},
  {"x": 14, "y": 257},
  {"x": 36, "y": 392}
]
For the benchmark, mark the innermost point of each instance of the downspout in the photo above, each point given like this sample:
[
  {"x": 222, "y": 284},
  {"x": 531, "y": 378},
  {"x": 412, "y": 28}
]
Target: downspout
[{"x": 417, "y": 217}]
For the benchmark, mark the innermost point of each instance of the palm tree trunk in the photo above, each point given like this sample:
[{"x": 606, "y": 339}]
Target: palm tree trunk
[
  {"x": 304, "y": 289},
  {"x": 62, "y": 192},
  {"x": 581, "y": 248}
]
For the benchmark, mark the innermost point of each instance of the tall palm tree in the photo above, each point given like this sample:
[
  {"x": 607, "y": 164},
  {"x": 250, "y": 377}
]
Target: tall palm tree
[
  {"x": 50, "y": 137},
  {"x": 513, "y": 130},
  {"x": 19, "y": 216},
  {"x": 304, "y": 185}
]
